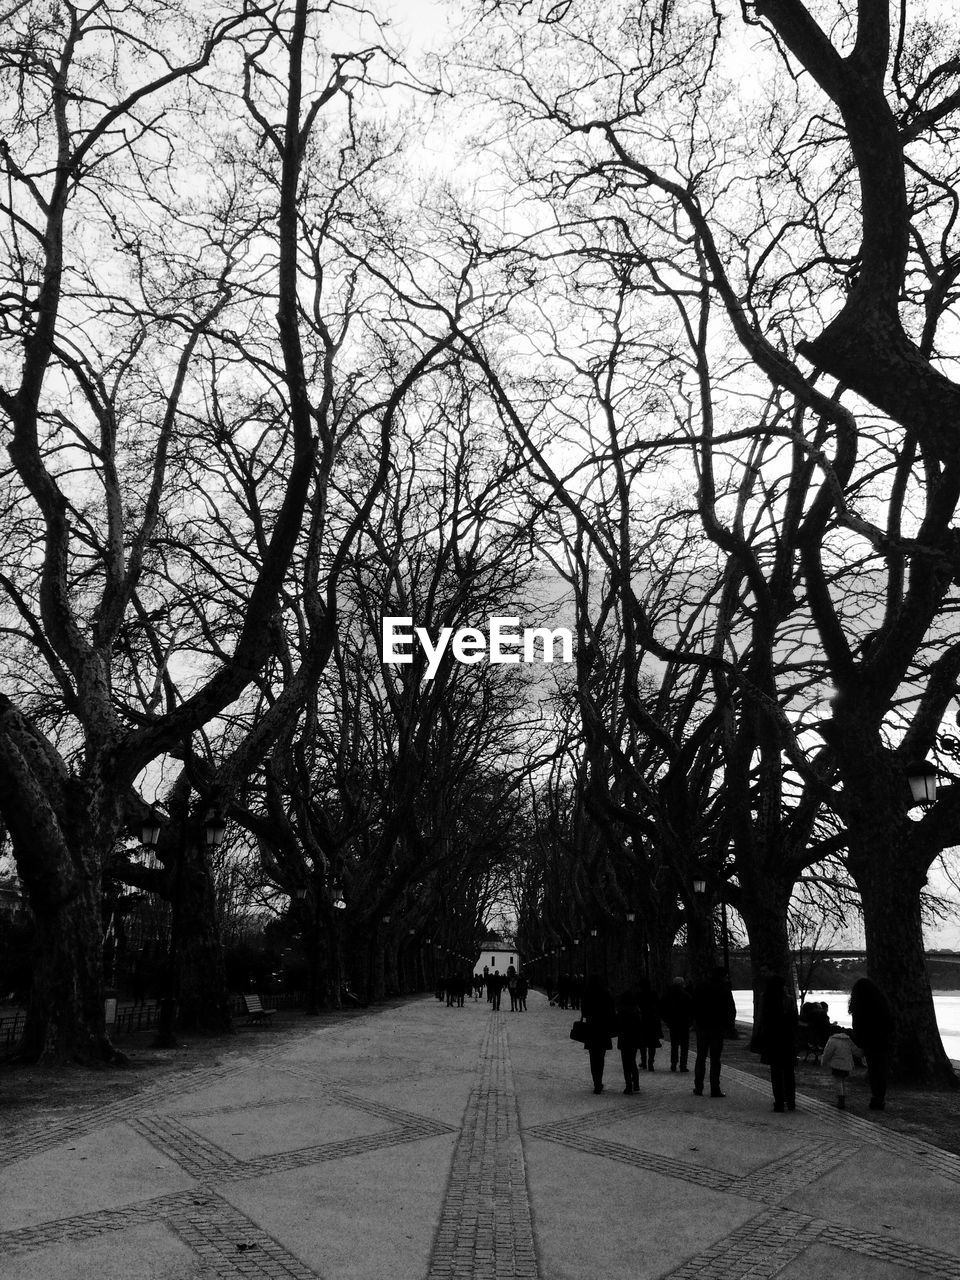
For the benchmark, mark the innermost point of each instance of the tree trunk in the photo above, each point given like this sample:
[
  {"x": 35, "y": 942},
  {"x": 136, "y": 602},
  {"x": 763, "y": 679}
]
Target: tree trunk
[
  {"x": 701, "y": 940},
  {"x": 763, "y": 909},
  {"x": 65, "y": 1015},
  {"x": 890, "y": 875},
  {"x": 895, "y": 962},
  {"x": 200, "y": 971}
]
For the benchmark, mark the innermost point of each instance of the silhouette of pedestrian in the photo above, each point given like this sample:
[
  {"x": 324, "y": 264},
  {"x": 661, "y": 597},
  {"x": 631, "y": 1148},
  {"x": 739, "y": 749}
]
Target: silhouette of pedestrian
[
  {"x": 512, "y": 987},
  {"x": 495, "y": 982},
  {"x": 629, "y": 1037},
  {"x": 873, "y": 1032},
  {"x": 713, "y": 1011},
  {"x": 677, "y": 1010},
  {"x": 599, "y": 1012},
  {"x": 777, "y": 1040},
  {"x": 523, "y": 986},
  {"x": 650, "y": 1017},
  {"x": 563, "y": 990}
]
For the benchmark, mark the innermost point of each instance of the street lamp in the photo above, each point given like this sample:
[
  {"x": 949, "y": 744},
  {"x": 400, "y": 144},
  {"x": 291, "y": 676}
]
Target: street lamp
[
  {"x": 699, "y": 885},
  {"x": 922, "y": 776},
  {"x": 150, "y": 830},
  {"x": 214, "y": 829}
]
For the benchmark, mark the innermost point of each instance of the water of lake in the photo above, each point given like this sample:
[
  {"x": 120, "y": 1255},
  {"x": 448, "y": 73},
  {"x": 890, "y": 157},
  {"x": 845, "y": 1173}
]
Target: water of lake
[{"x": 946, "y": 1004}]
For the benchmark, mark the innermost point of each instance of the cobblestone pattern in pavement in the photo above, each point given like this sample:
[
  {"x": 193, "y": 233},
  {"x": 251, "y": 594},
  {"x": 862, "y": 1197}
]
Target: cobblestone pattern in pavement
[
  {"x": 227, "y": 1245},
  {"x": 943, "y": 1163},
  {"x": 225, "y": 1241},
  {"x": 757, "y": 1250},
  {"x": 485, "y": 1230},
  {"x": 48, "y": 1132},
  {"x": 762, "y": 1247}
]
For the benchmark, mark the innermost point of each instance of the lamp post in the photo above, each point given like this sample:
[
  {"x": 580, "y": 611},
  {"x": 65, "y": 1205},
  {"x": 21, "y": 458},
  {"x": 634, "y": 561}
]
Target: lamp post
[
  {"x": 150, "y": 831},
  {"x": 922, "y": 777},
  {"x": 214, "y": 829},
  {"x": 700, "y": 888}
]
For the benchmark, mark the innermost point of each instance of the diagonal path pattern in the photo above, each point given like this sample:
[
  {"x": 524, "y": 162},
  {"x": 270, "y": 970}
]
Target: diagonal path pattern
[
  {"x": 485, "y": 1231},
  {"x": 353, "y": 1154}
]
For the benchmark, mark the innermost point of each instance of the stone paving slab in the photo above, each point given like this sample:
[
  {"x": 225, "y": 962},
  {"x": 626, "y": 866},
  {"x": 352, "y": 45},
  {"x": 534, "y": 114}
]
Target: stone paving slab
[{"x": 426, "y": 1143}]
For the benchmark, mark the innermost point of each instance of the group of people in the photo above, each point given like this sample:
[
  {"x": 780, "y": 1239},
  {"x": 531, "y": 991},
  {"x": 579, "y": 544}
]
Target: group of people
[
  {"x": 454, "y": 987},
  {"x": 870, "y": 1037},
  {"x": 637, "y": 1018}
]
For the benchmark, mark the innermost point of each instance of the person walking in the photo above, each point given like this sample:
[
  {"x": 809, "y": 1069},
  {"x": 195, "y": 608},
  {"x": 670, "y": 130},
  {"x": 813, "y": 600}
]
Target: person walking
[
  {"x": 599, "y": 1012},
  {"x": 523, "y": 986},
  {"x": 777, "y": 1040},
  {"x": 713, "y": 1011},
  {"x": 496, "y": 981},
  {"x": 873, "y": 1032},
  {"x": 676, "y": 1008},
  {"x": 652, "y": 1029},
  {"x": 629, "y": 1037},
  {"x": 512, "y": 987},
  {"x": 563, "y": 990},
  {"x": 837, "y": 1057}
]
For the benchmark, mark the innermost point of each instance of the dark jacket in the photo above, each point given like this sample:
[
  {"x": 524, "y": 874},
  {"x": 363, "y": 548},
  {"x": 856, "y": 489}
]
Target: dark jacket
[
  {"x": 629, "y": 1022},
  {"x": 713, "y": 1005},
  {"x": 600, "y": 1014},
  {"x": 650, "y": 1015},
  {"x": 676, "y": 1006},
  {"x": 871, "y": 1017},
  {"x": 777, "y": 1033}
]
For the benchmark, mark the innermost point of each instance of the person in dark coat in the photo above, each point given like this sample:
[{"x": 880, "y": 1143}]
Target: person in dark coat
[
  {"x": 563, "y": 990},
  {"x": 713, "y": 1011},
  {"x": 676, "y": 1008},
  {"x": 495, "y": 984},
  {"x": 777, "y": 1041},
  {"x": 629, "y": 1037},
  {"x": 652, "y": 1028},
  {"x": 523, "y": 986},
  {"x": 512, "y": 987},
  {"x": 873, "y": 1031},
  {"x": 599, "y": 1012}
]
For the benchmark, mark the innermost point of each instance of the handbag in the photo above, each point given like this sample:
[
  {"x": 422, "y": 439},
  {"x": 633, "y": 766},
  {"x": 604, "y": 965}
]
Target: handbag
[{"x": 578, "y": 1031}]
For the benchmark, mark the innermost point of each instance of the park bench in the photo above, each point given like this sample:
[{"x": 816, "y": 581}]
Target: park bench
[{"x": 255, "y": 1010}]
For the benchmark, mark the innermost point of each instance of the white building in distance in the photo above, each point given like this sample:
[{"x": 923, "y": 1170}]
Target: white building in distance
[{"x": 498, "y": 957}]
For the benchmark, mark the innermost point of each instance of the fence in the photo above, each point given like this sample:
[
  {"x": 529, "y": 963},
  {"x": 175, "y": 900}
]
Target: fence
[{"x": 141, "y": 1017}]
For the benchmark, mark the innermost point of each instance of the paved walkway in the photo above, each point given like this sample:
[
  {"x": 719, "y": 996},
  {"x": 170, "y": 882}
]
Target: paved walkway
[{"x": 426, "y": 1143}]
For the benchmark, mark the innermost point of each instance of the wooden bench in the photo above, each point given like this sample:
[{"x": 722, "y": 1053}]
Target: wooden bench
[{"x": 255, "y": 1010}]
